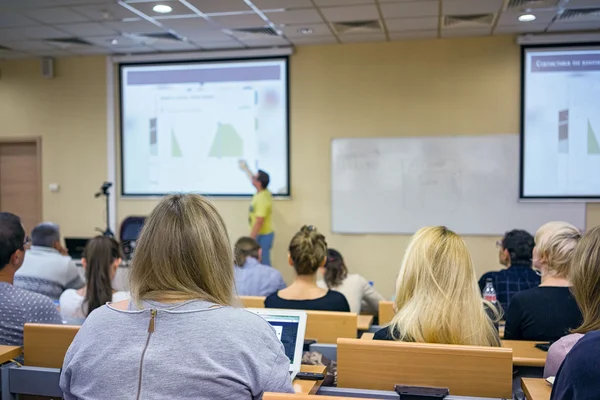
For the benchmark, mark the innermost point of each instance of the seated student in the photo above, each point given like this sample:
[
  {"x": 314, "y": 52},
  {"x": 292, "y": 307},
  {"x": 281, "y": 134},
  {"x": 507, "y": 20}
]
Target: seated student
[
  {"x": 579, "y": 374},
  {"x": 437, "y": 296},
  {"x": 101, "y": 258},
  {"x": 251, "y": 277},
  {"x": 18, "y": 306},
  {"x": 47, "y": 269},
  {"x": 179, "y": 336},
  {"x": 549, "y": 311},
  {"x": 357, "y": 290},
  {"x": 585, "y": 276},
  {"x": 515, "y": 251},
  {"x": 307, "y": 253}
]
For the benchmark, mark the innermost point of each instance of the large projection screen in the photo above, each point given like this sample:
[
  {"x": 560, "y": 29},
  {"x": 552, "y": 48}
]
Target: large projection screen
[
  {"x": 560, "y": 125},
  {"x": 185, "y": 127}
]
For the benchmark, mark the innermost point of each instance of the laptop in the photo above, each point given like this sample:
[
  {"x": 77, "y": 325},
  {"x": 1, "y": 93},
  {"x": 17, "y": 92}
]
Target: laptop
[
  {"x": 75, "y": 246},
  {"x": 290, "y": 327}
]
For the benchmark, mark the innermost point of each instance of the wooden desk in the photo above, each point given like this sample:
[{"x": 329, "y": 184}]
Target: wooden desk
[
  {"x": 305, "y": 386},
  {"x": 367, "y": 336},
  {"x": 364, "y": 322},
  {"x": 536, "y": 388},
  {"x": 7, "y": 353},
  {"x": 525, "y": 354}
]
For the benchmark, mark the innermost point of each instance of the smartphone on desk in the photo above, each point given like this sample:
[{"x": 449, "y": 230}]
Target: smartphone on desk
[{"x": 310, "y": 376}]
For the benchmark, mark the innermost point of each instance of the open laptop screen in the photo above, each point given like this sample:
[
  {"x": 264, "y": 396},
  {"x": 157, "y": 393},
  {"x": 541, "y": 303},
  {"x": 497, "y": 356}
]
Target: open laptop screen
[{"x": 286, "y": 328}]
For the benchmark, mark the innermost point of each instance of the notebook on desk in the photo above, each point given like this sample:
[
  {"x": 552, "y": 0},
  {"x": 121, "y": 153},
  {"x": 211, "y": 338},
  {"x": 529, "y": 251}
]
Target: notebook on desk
[{"x": 290, "y": 328}]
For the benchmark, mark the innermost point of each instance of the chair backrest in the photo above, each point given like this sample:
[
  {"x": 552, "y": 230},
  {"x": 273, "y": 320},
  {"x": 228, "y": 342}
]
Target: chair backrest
[
  {"x": 386, "y": 312},
  {"x": 46, "y": 345},
  {"x": 464, "y": 370},
  {"x": 131, "y": 227},
  {"x": 297, "y": 396},
  {"x": 253, "y": 301},
  {"x": 328, "y": 326}
]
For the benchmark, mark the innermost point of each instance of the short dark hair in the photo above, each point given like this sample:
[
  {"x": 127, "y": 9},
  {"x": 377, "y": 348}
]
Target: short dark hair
[
  {"x": 245, "y": 247},
  {"x": 12, "y": 237},
  {"x": 519, "y": 244},
  {"x": 263, "y": 178},
  {"x": 45, "y": 234},
  {"x": 335, "y": 269}
]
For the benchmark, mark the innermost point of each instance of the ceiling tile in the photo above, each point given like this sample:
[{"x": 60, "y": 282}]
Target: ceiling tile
[
  {"x": 301, "y": 16},
  {"x": 239, "y": 21},
  {"x": 87, "y": 29},
  {"x": 22, "y": 4},
  {"x": 413, "y": 35},
  {"x": 328, "y": 3},
  {"x": 229, "y": 44},
  {"x": 275, "y": 4},
  {"x": 130, "y": 50},
  {"x": 574, "y": 26},
  {"x": 422, "y": 8},
  {"x": 471, "y": 7},
  {"x": 134, "y": 26},
  {"x": 265, "y": 41},
  {"x": 512, "y": 17},
  {"x": 146, "y": 8},
  {"x": 186, "y": 24},
  {"x": 521, "y": 28},
  {"x": 317, "y": 30},
  {"x": 55, "y": 15},
  {"x": 104, "y": 12},
  {"x": 354, "y": 13},
  {"x": 411, "y": 24},
  {"x": 11, "y": 35},
  {"x": 9, "y": 20},
  {"x": 458, "y": 32},
  {"x": 32, "y": 45},
  {"x": 43, "y": 32},
  {"x": 220, "y": 6},
  {"x": 365, "y": 37},
  {"x": 583, "y": 3},
  {"x": 310, "y": 39},
  {"x": 79, "y": 2},
  {"x": 122, "y": 41},
  {"x": 91, "y": 50},
  {"x": 171, "y": 45},
  {"x": 8, "y": 55}
]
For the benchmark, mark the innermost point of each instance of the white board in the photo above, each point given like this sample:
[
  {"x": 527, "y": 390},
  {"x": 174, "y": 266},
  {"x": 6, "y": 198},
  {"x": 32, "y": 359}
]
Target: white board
[{"x": 468, "y": 183}]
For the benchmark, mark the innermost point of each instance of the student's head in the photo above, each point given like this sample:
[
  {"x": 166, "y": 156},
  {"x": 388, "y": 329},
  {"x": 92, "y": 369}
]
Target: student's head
[
  {"x": 554, "y": 245},
  {"x": 183, "y": 253},
  {"x": 246, "y": 247},
  {"x": 12, "y": 242},
  {"x": 307, "y": 251},
  {"x": 261, "y": 180},
  {"x": 516, "y": 247},
  {"x": 585, "y": 277},
  {"x": 46, "y": 234},
  {"x": 437, "y": 296},
  {"x": 101, "y": 258},
  {"x": 335, "y": 269}
]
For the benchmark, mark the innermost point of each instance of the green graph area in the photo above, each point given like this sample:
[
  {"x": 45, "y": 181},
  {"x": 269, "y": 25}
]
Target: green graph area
[
  {"x": 227, "y": 143},
  {"x": 593, "y": 146},
  {"x": 175, "y": 148}
]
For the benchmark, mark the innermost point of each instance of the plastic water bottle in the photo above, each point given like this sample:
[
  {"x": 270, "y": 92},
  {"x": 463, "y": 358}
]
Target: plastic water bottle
[{"x": 489, "y": 293}]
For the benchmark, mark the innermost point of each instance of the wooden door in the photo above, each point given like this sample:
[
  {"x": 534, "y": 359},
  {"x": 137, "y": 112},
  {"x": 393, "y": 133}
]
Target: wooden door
[{"x": 20, "y": 181}]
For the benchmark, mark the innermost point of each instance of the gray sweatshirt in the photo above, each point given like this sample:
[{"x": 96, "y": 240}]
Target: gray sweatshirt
[{"x": 186, "y": 351}]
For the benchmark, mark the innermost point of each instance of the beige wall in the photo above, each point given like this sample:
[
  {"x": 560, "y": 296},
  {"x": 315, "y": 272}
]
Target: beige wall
[{"x": 431, "y": 87}]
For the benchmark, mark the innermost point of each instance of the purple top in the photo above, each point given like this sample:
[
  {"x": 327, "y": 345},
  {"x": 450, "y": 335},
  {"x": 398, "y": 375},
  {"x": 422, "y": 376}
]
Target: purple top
[{"x": 558, "y": 351}]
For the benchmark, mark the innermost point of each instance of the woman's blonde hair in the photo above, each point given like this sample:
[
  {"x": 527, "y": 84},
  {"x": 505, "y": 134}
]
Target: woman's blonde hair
[
  {"x": 585, "y": 277},
  {"x": 308, "y": 250},
  {"x": 438, "y": 299},
  {"x": 554, "y": 244},
  {"x": 183, "y": 253}
]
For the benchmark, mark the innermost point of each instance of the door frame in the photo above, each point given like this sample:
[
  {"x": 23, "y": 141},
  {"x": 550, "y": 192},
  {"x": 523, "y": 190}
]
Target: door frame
[{"x": 37, "y": 140}]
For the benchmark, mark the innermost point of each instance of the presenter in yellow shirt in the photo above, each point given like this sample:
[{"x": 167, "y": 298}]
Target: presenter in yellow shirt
[{"x": 259, "y": 217}]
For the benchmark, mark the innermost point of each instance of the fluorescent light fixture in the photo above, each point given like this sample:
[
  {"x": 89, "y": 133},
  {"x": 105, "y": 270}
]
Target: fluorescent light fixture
[
  {"x": 162, "y": 8},
  {"x": 527, "y": 18}
]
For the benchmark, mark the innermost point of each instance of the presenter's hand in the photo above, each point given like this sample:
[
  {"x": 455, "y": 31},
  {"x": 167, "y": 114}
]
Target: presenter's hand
[{"x": 244, "y": 165}]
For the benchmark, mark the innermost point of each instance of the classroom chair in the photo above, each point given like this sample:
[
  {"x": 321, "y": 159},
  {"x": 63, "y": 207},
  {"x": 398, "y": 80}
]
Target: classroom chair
[
  {"x": 46, "y": 345},
  {"x": 386, "y": 312},
  {"x": 464, "y": 370},
  {"x": 328, "y": 326},
  {"x": 253, "y": 301}
]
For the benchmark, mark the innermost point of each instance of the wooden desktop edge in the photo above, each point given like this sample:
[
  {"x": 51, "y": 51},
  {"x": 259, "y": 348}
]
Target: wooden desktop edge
[
  {"x": 7, "y": 353},
  {"x": 306, "y": 386},
  {"x": 536, "y": 388}
]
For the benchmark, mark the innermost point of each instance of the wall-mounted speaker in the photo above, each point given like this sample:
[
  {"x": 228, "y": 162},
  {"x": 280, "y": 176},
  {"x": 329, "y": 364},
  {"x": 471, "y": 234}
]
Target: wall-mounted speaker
[{"x": 48, "y": 67}]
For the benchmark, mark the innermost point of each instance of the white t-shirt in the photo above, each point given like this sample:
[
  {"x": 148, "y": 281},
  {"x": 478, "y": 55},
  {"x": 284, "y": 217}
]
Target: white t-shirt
[
  {"x": 71, "y": 303},
  {"x": 360, "y": 294}
]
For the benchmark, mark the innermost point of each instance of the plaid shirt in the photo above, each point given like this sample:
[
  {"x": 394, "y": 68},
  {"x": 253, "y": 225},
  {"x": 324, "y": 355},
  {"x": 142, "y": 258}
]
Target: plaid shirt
[{"x": 510, "y": 281}]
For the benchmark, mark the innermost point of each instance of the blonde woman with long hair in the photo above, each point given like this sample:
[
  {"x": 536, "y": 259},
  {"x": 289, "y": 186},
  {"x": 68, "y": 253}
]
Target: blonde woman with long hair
[
  {"x": 178, "y": 337},
  {"x": 437, "y": 297},
  {"x": 549, "y": 311},
  {"x": 585, "y": 276}
]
